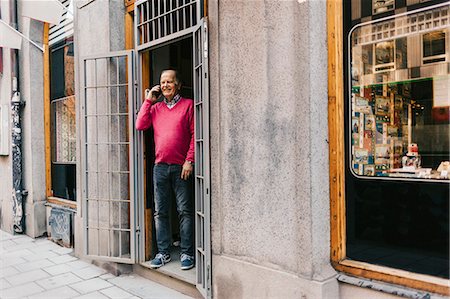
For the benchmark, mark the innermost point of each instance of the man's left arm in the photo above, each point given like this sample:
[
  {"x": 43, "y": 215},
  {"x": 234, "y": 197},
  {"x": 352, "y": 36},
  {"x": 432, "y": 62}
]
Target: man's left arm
[{"x": 188, "y": 165}]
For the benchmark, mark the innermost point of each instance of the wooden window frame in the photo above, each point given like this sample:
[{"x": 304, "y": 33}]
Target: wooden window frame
[
  {"x": 47, "y": 126},
  {"x": 337, "y": 173}
]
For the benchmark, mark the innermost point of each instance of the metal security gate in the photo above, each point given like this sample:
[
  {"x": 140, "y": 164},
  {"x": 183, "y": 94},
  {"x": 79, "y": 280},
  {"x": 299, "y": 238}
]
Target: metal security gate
[
  {"x": 202, "y": 162},
  {"x": 108, "y": 157},
  {"x": 158, "y": 21}
]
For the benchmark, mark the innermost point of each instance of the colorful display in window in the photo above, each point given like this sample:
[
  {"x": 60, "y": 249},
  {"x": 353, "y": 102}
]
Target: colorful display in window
[{"x": 400, "y": 96}]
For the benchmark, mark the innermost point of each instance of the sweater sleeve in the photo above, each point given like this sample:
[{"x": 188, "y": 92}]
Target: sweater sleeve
[
  {"x": 144, "y": 118},
  {"x": 191, "y": 155}
]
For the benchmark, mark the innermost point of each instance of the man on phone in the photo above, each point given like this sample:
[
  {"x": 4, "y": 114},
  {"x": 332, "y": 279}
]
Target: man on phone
[{"x": 172, "y": 120}]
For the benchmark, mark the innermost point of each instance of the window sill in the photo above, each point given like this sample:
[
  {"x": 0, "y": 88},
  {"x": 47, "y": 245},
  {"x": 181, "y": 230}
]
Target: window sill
[
  {"x": 62, "y": 202},
  {"x": 395, "y": 276},
  {"x": 382, "y": 287}
]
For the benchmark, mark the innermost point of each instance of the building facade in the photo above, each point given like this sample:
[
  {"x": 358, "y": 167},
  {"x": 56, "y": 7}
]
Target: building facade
[{"x": 321, "y": 140}]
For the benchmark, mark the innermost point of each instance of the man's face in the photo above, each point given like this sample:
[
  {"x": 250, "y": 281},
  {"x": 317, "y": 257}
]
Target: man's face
[{"x": 168, "y": 87}]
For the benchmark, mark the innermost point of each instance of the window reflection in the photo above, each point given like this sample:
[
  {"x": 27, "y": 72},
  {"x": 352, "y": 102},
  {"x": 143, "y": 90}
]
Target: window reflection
[{"x": 400, "y": 98}]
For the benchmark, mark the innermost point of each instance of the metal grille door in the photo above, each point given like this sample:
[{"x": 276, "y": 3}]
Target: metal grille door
[
  {"x": 108, "y": 157},
  {"x": 160, "y": 20},
  {"x": 202, "y": 163}
]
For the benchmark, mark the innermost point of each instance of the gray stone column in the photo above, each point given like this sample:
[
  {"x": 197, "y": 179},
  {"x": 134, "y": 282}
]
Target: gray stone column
[
  {"x": 269, "y": 151},
  {"x": 33, "y": 135}
]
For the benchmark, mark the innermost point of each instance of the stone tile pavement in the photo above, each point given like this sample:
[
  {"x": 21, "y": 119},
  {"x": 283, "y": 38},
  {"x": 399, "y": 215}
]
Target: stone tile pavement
[{"x": 38, "y": 268}]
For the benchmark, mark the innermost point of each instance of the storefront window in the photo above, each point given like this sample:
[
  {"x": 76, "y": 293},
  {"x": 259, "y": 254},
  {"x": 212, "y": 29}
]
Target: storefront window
[
  {"x": 63, "y": 123},
  {"x": 397, "y": 135},
  {"x": 400, "y": 111}
]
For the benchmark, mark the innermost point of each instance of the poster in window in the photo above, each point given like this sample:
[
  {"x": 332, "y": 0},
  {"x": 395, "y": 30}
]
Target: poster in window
[
  {"x": 384, "y": 52},
  {"x": 369, "y": 123},
  {"x": 362, "y": 105},
  {"x": 382, "y": 106},
  {"x": 361, "y": 156},
  {"x": 382, "y": 153},
  {"x": 369, "y": 170},
  {"x": 380, "y": 6}
]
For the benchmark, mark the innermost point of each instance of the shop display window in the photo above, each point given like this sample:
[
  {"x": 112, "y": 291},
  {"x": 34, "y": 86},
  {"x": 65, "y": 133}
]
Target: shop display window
[
  {"x": 400, "y": 124},
  {"x": 393, "y": 220},
  {"x": 63, "y": 120}
]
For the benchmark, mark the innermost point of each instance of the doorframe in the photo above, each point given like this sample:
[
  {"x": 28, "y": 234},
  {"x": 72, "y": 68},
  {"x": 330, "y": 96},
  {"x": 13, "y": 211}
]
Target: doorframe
[
  {"x": 142, "y": 62},
  {"x": 143, "y": 74}
]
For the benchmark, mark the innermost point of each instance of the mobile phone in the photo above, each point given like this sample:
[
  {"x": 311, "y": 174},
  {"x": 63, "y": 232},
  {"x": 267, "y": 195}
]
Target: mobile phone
[{"x": 147, "y": 93}]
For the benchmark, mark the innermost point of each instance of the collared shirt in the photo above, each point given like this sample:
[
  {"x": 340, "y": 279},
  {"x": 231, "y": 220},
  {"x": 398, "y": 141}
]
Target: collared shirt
[{"x": 174, "y": 101}]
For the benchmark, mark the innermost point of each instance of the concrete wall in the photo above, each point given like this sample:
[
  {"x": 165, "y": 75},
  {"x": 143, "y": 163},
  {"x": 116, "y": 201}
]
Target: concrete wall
[
  {"x": 6, "y": 217},
  {"x": 269, "y": 152},
  {"x": 33, "y": 150},
  {"x": 33, "y": 147}
]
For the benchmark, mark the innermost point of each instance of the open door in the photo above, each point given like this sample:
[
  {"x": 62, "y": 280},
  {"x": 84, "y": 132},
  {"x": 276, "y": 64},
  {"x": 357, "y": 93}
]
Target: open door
[
  {"x": 202, "y": 162},
  {"x": 108, "y": 166}
]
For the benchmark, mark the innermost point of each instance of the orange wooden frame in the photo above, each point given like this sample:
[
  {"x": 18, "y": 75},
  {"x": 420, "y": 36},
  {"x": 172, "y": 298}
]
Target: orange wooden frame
[{"x": 337, "y": 173}]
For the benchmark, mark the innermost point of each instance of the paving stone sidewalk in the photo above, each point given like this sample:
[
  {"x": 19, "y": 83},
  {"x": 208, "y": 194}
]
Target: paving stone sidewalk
[{"x": 38, "y": 268}]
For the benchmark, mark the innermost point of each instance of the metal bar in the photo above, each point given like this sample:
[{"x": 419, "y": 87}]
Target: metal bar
[
  {"x": 106, "y": 143},
  {"x": 163, "y": 16},
  {"x": 118, "y": 172},
  {"x": 112, "y": 114},
  {"x": 84, "y": 166},
  {"x": 113, "y": 200},
  {"x": 119, "y": 153},
  {"x": 112, "y": 229},
  {"x": 62, "y": 99},
  {"x": 96, "y": 138},
  {"x": 108, "y": 73},
  {"x": 109, "y": 55},
  {"x": 106, "y": 86},
  {"x": 132, "y": 177},
  {"x": 147, "y": 25},
  {"x": 170, "y": 31},
  {"x": 162, "y": 40}
]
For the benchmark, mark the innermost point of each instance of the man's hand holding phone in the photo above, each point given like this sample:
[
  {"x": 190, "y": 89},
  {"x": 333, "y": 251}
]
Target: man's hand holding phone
[{"x": 153, "y": 94}]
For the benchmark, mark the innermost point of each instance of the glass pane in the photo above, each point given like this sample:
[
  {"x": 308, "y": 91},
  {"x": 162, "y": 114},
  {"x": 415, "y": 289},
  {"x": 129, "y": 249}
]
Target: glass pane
[
  {"x": 397, "y": 137},
  {"x": 64, "y": 181},
  {"x": 64, "y": 130},
  {"x": 399, "y": 111}
]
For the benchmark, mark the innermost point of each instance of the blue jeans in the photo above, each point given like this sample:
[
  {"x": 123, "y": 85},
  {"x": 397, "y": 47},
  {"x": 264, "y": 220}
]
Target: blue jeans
[{"x": 167, "y": 180}]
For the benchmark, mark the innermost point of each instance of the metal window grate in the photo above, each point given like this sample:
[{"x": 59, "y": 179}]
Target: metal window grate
[
  {"x": 156, "y": 19},
  {"x": 401, "y": 26},
  {"x": 108, "y": 155},
  {"x": 202, "y": 166}
]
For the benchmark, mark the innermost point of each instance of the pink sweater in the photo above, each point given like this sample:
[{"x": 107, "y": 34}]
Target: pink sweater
[{"x": 173, "y": 130}]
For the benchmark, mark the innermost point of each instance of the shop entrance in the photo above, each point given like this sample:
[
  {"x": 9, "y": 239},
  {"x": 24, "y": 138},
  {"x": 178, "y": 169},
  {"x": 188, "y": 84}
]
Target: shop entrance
[
  {"x": 117, "y": 160},
  {"x": 174, "y": 55},
  {"x": 188, "y": 54}
]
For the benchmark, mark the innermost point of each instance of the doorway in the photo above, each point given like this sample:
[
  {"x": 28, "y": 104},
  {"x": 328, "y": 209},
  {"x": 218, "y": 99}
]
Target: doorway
[{"x": 175, "y": 55}]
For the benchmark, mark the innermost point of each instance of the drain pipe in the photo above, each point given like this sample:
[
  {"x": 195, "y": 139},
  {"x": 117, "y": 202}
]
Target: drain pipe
[
  {"x": 16, "y": 109},
  {"x": 18, "y": 193}
]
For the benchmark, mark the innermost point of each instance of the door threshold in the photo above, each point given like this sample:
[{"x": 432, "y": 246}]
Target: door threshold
[
  {"x": 169, "y": 279},
  {"x": 172, "y": 269}
]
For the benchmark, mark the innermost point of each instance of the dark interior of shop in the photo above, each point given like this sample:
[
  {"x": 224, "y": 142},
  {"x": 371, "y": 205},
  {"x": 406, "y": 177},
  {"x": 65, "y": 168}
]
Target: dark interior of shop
[{"x": 170, "y": 56}]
